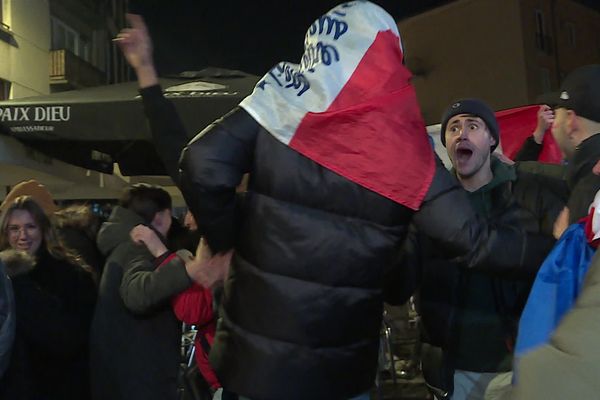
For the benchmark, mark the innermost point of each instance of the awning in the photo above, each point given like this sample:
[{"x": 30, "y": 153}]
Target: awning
[{"x": 96, "y": 127}]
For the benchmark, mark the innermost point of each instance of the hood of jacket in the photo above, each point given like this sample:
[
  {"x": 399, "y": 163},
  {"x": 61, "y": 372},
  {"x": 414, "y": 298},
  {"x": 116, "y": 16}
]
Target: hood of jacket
[
  {"x": 17, "y": 262},
  {"x": 116, "y": 230}
]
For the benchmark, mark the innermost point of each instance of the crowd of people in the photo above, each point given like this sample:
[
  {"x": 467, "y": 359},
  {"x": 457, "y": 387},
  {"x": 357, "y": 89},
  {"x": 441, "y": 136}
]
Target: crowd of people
[{"x": 284, "y": 273}]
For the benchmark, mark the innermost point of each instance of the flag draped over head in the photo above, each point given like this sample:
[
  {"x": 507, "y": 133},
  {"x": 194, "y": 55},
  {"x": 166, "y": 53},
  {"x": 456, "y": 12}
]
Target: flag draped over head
[
  {"x": 516, "y": 125},
  {"x": 349, "y": 105}
]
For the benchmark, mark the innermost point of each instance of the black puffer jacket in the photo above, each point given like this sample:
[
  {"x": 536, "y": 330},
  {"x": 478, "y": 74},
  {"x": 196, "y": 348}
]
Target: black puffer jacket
[{"x": 303, "y": 301}]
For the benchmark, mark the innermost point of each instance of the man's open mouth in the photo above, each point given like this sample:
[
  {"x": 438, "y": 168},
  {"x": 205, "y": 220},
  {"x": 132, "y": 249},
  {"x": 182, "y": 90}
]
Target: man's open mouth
[{"x": 463, "y": 154}]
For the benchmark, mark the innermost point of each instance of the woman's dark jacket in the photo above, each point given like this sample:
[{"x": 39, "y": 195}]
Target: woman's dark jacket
[{"x": 54, "y": 307}]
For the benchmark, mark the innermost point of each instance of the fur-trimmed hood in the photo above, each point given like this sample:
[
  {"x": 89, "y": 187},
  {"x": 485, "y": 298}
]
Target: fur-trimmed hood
[{"x": 17, "y": 262}]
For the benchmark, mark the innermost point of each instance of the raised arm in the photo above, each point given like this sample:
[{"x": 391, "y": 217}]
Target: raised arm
[
  {"x": 144, "y": 287},
  {"x": 168, "y": 133},
  {"x": 532, "y": 147},
  {"x": 212, "y": 166}
]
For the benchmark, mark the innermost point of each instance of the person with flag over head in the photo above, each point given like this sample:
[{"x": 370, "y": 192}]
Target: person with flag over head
[{"x": 340, "y": 164}]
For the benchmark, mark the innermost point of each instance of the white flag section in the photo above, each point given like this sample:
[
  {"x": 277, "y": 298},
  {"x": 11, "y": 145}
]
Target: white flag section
[
  {"x": 333, "y": 47},
  {"x": 349, "y": 106}
]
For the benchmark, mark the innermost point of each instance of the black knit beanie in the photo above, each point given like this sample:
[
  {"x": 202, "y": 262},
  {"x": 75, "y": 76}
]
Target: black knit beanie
[{"x": 473, "y": 107}]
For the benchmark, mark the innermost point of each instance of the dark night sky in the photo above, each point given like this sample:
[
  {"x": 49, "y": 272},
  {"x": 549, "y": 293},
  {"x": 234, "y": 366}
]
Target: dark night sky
[{"x": 246, "y": 35}]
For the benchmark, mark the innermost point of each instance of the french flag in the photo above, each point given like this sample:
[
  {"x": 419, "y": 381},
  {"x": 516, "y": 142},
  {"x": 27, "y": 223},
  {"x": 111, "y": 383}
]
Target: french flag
[
  {"x": 349, "y": 105},
  {"x": 516, "y": 125}
]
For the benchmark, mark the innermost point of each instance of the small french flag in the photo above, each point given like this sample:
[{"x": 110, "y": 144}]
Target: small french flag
[{"x": 349, "y": 105}]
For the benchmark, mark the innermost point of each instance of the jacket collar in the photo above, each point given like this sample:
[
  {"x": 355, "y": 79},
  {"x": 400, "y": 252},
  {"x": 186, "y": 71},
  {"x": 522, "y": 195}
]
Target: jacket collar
[
  {"x": 501, "y": 173},
  {"x": 586, "y": 156}
]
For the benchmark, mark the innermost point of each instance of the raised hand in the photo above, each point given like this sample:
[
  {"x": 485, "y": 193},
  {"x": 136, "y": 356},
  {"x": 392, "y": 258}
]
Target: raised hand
[
  {"x": 545, "y": 118},
  {"x": 206, "y": 269},
  {"x": 136, "y": 45},
  {"x": 141, "y": 234}
]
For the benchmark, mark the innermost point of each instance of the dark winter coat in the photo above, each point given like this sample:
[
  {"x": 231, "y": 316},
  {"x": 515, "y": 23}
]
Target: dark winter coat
[
  {"x": 575, "y": 180},
  {"x": 78, "y": 228},
  {"x": 135, "y": 343},
  {"x": 54, "y": 307},
  {"x": 84, "y": 246},
  {"x": 303, "y": 301},
  {"x": 457, "y": 305}
]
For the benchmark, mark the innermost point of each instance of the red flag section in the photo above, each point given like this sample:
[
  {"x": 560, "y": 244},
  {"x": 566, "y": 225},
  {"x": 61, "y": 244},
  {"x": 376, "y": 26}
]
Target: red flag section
[
  {"x": 378, "y": 142},
  {"x": 516, "y": 125}
]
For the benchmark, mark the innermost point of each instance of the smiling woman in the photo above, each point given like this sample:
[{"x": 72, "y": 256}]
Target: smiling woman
[
  {"x": 57, "y": 294},
  {"x": 23, "y": 232}
]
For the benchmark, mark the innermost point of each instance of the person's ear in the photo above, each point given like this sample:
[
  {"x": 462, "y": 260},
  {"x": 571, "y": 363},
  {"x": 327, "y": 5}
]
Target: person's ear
[
  {"x": 491, "y": 137},
  {"x": 571, "y": 123}
]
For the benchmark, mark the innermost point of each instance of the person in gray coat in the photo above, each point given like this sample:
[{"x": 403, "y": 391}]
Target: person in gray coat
[{"x": 568, "y": 366}]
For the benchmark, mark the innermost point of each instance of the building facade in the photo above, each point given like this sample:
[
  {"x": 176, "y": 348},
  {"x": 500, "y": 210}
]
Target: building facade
[
  {"x": 507, "y": 52},
  {"x": 55, "y": 45}
]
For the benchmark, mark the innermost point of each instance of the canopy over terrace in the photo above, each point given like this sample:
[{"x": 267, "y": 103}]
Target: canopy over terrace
[
  {"x": 96, "y": 127},
  {"x": 19, "y": 163}
]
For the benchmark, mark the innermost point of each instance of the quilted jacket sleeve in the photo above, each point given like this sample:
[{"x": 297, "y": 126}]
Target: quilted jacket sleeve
[
  {"x": 212, "y": 166},
  {"x": 447, "y": 217}
]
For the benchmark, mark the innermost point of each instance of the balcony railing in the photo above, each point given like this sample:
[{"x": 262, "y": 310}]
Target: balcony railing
[
  {"x": 6, "y": 34},
  {"x": 68, "y": 71}
]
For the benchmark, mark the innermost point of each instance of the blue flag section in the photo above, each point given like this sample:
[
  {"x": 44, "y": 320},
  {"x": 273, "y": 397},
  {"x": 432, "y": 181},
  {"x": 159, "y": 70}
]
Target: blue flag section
[{"x": 555, "y": 289}]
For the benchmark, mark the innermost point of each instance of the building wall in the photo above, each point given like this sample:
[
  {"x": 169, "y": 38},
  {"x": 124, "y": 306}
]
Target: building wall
[
  {"x": 25, "y": 62},
  {"x": 540, "y": 61},
  {"x": 586, "y": 47},
  {"x": 96, "y": 22},
  {"x": 468, "y": 48},
  {"x": 574, "y": 34}
]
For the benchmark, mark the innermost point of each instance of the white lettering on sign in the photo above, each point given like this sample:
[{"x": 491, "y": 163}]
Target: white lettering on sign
[
  {"x": 37, "y": 114},
  {"x": 14, "y": 114},
  {"x": 52, "y": 114},
  {"x": 32, "y": 128}
]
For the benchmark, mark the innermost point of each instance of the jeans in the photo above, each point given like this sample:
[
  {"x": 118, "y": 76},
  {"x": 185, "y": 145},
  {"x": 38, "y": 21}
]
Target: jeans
[
  {"x": 480, "y": 385},
  {"x": 364, "y": 396}
]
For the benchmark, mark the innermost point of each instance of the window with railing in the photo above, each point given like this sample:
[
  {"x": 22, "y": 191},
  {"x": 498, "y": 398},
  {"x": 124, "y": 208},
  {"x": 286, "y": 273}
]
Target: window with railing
[
  {"x": 545, "y": 81},
  {"x": 571, "y": 34},
  {"x": 543, "y": 41},
  {"x": 65, "y": 37},
  {"x": 2, "y": 24},
  {"x": 4, "y": 89}
]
